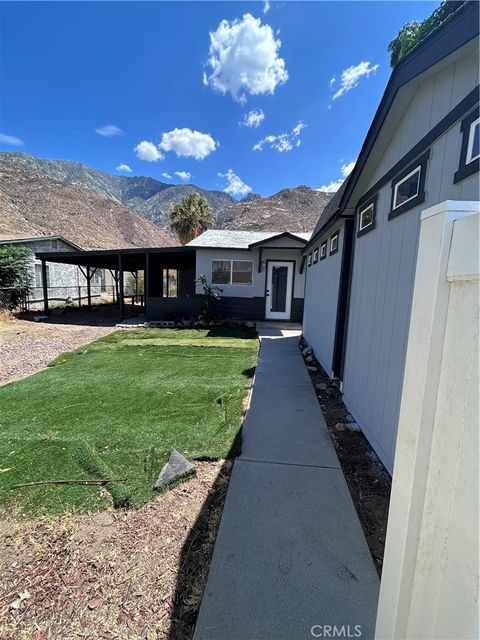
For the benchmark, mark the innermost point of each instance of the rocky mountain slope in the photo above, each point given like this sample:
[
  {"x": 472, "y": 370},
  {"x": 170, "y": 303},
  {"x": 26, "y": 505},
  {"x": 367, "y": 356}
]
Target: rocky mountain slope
[
  {"x": 111, "y": 199},
  {"x": 33, "y": 204},
  {"x": 149, "y": 197},
  {"x": 295, "y": 209}
]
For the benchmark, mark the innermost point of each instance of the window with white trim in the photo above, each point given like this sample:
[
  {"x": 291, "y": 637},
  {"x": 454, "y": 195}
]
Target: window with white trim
[
  {"x": 365, "y": 218},
  {"x": 473, "y": 146},
  {"x": 315, "y": 255},
  {"x": 232, "y": 272},
  {"x": 323, "y": 250},
  {"x": 309, "y": 260},
  {"x": 334, "y": 243},
  {"x": 407, "y": 189}
]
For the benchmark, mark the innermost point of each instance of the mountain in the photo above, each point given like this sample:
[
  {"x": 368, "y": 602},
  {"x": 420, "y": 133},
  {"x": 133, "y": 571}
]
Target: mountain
[
  {"x": 149, "y": 197},
  {"x": 295, "y": 209},
  {"x": 33, "y": 204}
]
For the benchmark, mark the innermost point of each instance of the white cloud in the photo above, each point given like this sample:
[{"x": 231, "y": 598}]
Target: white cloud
[
  {"x": 166, "y": 175},
  {"x": 335, "y": 185},
  {"x": 12, "y": 141},
  {"x": 243, "y": 58},
  {"x": 253, "y": 118},
  {"x": 123, "y": 167},
  {"x": 109, "y": 131},
  {"x": 188, "y": 144},
  {"x": 183, "y": 175},
  {"x": 148, "y": 151},
  {"x": 351, "y": 77},
  {"x": 266, "y": 7},
  {"x": 235, "y": 185},
  {"x": 284, "y": 141}
]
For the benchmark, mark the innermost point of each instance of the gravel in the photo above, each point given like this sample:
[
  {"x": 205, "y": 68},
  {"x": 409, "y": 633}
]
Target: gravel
[{"x": 27, "y": 347}]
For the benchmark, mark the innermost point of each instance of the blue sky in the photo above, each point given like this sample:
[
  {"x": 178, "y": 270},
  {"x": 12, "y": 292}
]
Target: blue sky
[{"x": 153, "y": 71}]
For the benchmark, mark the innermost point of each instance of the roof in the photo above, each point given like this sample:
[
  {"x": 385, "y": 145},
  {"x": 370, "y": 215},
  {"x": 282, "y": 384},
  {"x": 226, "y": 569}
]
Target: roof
[
  {"x": 458, "y": 29},
  {"x": 13, "y": 239},
  {"x": 226, "y": 239}
]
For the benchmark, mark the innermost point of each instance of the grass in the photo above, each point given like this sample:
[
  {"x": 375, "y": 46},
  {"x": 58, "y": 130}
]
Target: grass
[{"x": 116, "y": 408}]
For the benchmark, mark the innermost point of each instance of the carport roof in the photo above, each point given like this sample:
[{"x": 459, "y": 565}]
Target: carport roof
[{"x": 132, "y": 259}]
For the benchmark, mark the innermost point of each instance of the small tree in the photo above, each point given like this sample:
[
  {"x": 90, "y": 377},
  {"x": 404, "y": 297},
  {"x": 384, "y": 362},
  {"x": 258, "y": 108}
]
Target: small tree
[
  {"x": 15, "y": 274},
  {"x": 413, "y": 32},
  {"x": 209, "y": 296},
  {"x": 190, "y": 217}
]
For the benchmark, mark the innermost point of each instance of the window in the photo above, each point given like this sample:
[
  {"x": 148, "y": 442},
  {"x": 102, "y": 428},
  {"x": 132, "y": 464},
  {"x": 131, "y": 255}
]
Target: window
[
  {"x": 408, "y": 188},
  {"x": 38, "y": 275},
  {"x": 309, "y": 260},
  {"x": 323, "y": 250},
  {"x": 470, "y": 151},
  {"x": 232, "y": 272},
  {"x": 367, "y": 212},
  {"x": 334, "y": 243},
  {"x": 315, "y": 255},
  {"x": 170, "y": 283}
]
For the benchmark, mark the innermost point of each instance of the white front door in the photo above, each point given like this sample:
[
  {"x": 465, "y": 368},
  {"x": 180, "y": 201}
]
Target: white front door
[{"x": 278, "y": 298}]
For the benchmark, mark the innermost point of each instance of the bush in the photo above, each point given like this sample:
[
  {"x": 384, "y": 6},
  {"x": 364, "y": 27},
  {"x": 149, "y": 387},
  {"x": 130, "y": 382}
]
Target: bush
[{"x": 15, "y": 275}]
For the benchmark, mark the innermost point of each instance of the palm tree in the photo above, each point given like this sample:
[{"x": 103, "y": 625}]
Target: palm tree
[{"x": 190, "y": 217}]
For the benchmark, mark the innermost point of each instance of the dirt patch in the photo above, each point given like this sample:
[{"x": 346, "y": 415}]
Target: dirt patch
[
  {"x": 115, "y": 574},
  {"x": 27, "y": 347},
  {"x": 368, "y": 480}
]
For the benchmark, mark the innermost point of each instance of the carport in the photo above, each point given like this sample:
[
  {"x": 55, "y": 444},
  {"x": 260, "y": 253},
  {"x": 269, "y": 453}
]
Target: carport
[{"x": 161, "y": 267}]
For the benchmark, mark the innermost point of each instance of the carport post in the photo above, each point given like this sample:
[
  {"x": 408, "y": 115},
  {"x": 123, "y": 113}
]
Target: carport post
[
  {"x": 45, "y": 287},
  {"x": 120, "y": 287},
  {"x": 89, "y": 290}
]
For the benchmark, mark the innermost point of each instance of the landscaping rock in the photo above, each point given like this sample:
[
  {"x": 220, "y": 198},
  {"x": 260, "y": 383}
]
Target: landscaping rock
[
  {"x": 176, "y": 468},
  {"x": 309, "y": 359},
  {"x": 41, "y": 318},
  {"x": 353, "y": 426},
  {"x": 321, "y": 386},
  {"x": 340, "y": 426},
  {"x": 349, "y": 418},
  {"x": 307, "y": 351},
  {"x": 310, "y": 368}
]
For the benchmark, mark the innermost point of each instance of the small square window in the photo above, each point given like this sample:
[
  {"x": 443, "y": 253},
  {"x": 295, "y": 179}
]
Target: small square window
[
  {"x": 334, "y": 243},
  {"x": 221, "y": 271},
  {"x": 242, "y": 272},
  {"x": 315, "y": 255},
  {"x": 367, "y": 213},
  {"x": 408, "y": 188},
  {"x": 470, "y": 151},
  {"x": 323, "y": 250},
  {"x": 309, "y": 260}
]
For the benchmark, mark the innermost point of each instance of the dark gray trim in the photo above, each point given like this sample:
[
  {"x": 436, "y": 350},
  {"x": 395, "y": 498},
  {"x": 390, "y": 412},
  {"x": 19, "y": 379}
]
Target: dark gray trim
[
  {"x": 323, "y": 244},
  {"x": 266, "y": 283},
  {"x": 465, "y": 170},
  {"x": 438, "y": 130},
  {"x": 420, "y": 197},
  {"x": 302, "y": 265},
  {"x": 339, "y": 343},
  {"x": 334, "y": 235},
  {"x": 284, "y": 234},
  {"x": 456, "y": 31},
  {"x": 372, "y": 201}
]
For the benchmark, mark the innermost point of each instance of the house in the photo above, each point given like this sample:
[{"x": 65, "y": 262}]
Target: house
[
  {"x": 258, "y": 275},
  {"x": 63, "y": 281},
  {"x": 421, "y": 149}
]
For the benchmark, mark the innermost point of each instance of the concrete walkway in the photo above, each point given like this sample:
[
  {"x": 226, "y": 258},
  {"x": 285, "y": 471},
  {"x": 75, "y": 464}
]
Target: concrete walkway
[{"x": 290, "y": 552}]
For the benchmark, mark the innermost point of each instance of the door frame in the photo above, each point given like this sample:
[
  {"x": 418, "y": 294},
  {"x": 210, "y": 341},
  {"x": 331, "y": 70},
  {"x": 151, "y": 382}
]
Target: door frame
[{"x": 293, "y": 262}]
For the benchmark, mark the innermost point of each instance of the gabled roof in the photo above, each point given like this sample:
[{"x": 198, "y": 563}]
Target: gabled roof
[
  {"x": 226, "y": 239},
  {"x": 457, "y": 30},
  {"x": 13, "y": 239}
]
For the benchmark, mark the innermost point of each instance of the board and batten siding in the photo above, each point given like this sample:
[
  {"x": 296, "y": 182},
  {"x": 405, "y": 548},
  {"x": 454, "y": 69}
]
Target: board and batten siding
[
  {"x": 385, "y": 259},
  {"x": 322, "y": 281}
]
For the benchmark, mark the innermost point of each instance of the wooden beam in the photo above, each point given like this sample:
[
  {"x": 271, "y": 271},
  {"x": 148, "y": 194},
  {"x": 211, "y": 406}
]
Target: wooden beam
[
  {"x": 45, "y": 286},
  {"x": 120, "y": 288}
]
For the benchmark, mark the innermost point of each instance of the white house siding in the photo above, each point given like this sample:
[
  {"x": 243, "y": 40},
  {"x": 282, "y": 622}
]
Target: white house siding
[
  {"x": 321, "y": 297},
  {"x": 204, "y": 259},
  {"x": 385, "y": 258}
]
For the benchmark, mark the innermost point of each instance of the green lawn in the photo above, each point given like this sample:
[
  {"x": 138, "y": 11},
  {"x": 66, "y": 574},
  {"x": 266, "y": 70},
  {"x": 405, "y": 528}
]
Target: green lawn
[{"x": 116, "y": 408}]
